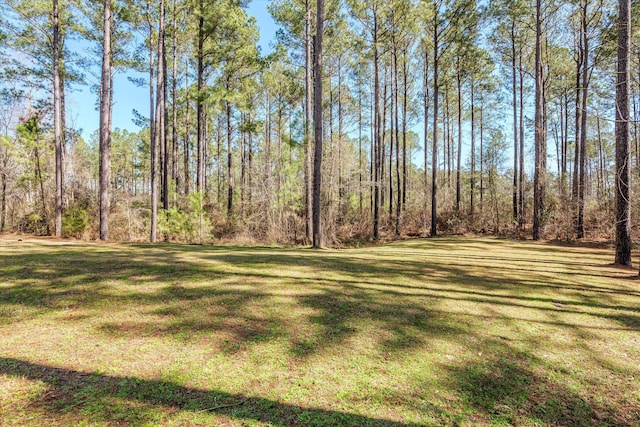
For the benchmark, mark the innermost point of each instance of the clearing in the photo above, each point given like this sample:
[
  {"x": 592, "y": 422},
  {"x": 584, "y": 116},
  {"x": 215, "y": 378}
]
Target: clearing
[{"x": 446, "y": 331}]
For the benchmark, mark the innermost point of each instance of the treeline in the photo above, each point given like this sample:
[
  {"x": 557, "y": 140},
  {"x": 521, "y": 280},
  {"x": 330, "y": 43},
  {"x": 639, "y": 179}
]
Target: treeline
[{"x": 438, "y": 116}]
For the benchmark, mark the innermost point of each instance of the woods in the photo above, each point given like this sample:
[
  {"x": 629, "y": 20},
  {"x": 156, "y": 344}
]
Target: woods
[{"x": 362, "y": 121}]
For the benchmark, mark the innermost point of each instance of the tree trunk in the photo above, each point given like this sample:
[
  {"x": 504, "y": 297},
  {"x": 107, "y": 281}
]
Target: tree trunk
[
  {"x": 539, "y": 185},
  {"x": 425, "y": 101},
  {"x": 434, "y": 148},
  {"x": 230, "y": 182},
  {"x": 317, "y": 118},
  {"x": 152, "y": 133},
  {"x": 57, "y": 122},
  {"x": 515, "y": 123},
  {"x": 105, "y": 125},
  {"x": 459, "y": 153},
  {"x": 623, "y": 157},
  {"x": 377, "y": 143},
  {"x": 159, "y": 143},
  {"x": 583, "y": 125},
  {"x": 472, "y": 175},
  {"x": 307, "y": 123},
  {"x": 521, "y": 203},
  {"x": 165, "y": 109},
  {"x": 187, "y": 130},
  {"x": 396, "y": 92},
  {"x": 199, "y": 101},
  {"x": 405, "y": 108},
  {"x": 175, "y": 175},
  {"x": 3, "y": 201}
]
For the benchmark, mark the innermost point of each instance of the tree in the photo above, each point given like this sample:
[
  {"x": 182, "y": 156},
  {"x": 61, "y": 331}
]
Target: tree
[
  {"x": 105, "y": 122},
  {"x": 57, "y": 118},
  {"x": 317, "y": 119},
  {"x": 307, "y": 121},
  {"x": 540, "y": 171},
  {"x": 623, "y": 157}
]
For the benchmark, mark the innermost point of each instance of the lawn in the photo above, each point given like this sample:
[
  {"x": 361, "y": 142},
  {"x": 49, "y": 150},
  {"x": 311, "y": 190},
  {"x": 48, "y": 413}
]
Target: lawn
[{"x": 447, "y": 331}]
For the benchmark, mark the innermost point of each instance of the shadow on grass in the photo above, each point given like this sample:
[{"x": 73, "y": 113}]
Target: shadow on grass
[
  {"x": 234, "y": 292},
  {"x": 508, "y": 390},
  {"x": 92, "y": 396}
]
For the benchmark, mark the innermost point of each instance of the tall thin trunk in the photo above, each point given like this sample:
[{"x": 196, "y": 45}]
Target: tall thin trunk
[
  {"x": 377, "y": 144},
  {"x": 360, "y": 195},
  {"x": 448, "y": 136},
  {"x": 396, "y": 93},
  {"x": 472, "y": 175},
  {"x": 230, "y": 183},
  {"x": 434, "y": 149},
  {"x": 405, "y": 107},
  {"x": 391, "y": 137},
  {"x": 3, "y": 198},
  {"x": 105, "y": 128},
  {"x": 250, "y": 166},
  {"x": 307, "y": 123},
  {"x": 539, "y": 185},
  {"x": 425, "y": 101},
  {"x": 623, "y": 157},
  {"x": 243, "y": 170},
  {"x": 341, "y": 185},
  {"x": 521, "y": 201},
  {"x": 601, "y": 194},
  {"x": 515, "y": 122},
  {"x": 317, "y": 118},
  {"x": 57, "y": 122},
  {"x": 459, "y": 153},
  {"x": 174, "y": 103},
  {"x": 383, "y": 136},
  {"x": 576, "y": 162},
  {"x": 164, "y": 108},
  {"x": 187, "y": 130},
  {"x": 200, "y": 102},
  {"x": 482, "y": 158},
  {"x": 152, "y": 132},
  {"x": 159, "y": 143},
  {"x": 583, "y": 125}
]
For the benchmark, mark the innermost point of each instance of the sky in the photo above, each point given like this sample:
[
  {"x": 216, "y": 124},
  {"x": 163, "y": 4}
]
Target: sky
[{"x": 82, "y": 103}]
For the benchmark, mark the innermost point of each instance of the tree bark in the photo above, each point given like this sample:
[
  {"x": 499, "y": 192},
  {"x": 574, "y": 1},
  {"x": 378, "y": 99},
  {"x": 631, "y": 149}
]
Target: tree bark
[
  {"x": 307, "y": 123},
  {"x": 174, "y": 103},
  {"x": 57, "y": 120},
  {"x": 434, "y": 147},
  {"x": 459, "y": 153},
  {"x": 472, "y": 174},
  {"x": 152, "y": 133},
  {"x": 187, "y": 130},
  {"x": 317, "y": 118},
  {"x": 230, "y": 182},
  {"x": 377, "y": 143},
  {"x": 515, "y": 123},
  {"x": 539, "y": 184},
  {"x": 199, "y": 100},
  {"x": 583, "y": 125},
  {"x": 105, "y": 123},
  {"x": 623, "y": 157}
]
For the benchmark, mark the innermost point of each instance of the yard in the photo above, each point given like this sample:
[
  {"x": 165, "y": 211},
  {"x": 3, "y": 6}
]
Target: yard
[{"x": 446, "y": 331}]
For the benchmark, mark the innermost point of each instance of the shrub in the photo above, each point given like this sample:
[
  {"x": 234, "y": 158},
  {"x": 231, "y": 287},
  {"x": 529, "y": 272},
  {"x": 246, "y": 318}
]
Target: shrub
[{"x": 75, "y": 222}]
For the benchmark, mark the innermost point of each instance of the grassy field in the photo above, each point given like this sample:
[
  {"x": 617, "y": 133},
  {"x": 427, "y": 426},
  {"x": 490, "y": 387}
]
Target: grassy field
[{"x": 446, "y": 331}]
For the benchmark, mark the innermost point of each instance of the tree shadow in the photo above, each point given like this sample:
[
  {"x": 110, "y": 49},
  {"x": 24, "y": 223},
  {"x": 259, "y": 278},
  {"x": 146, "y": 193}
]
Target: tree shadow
[
  {"x": 90, "y": 397},
  {"x": 232, "y": 293},
  {"x": 508, "y": 389}
]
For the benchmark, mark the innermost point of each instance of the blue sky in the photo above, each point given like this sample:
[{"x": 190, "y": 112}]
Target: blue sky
[{"x": 82, "y": 103}]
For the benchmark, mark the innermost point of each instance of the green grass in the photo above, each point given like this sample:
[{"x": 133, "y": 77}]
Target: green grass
[{"x": 446, "y": 331}]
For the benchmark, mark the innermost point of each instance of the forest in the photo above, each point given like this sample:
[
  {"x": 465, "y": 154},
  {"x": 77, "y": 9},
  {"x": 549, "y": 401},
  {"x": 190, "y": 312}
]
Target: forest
[
  {"x": 466, "y": 168},
  {"x": 375, "y": 119}
]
